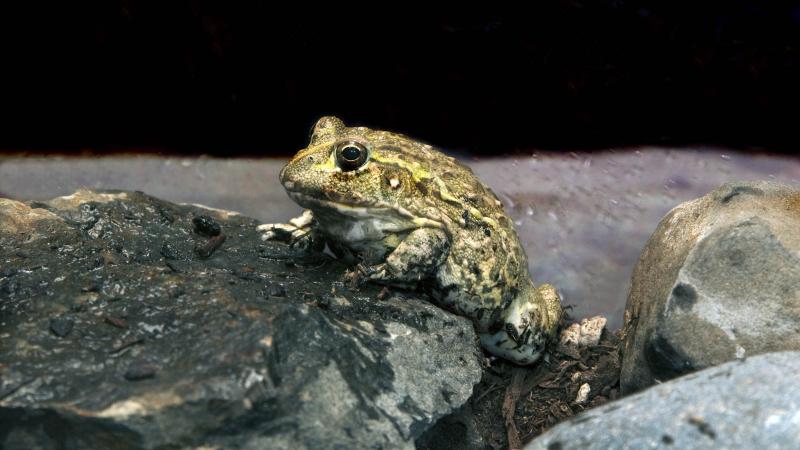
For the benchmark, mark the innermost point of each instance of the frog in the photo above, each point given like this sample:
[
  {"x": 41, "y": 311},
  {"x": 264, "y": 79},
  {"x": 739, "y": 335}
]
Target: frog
[{"x": 404, "y": 214}]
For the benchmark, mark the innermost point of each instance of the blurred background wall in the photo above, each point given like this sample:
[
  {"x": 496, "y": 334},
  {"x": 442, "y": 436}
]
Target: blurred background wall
[{"x": 250, "y": 78}]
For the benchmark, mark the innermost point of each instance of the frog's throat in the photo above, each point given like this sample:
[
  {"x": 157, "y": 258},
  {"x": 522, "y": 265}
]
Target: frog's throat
[{"x": 377, "y": 209}]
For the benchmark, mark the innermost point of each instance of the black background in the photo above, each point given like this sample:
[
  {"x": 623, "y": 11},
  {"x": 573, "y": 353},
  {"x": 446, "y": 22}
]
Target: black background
[{"x": 250, "y": 78}]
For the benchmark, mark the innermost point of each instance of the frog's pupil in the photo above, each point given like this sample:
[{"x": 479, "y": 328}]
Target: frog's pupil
[{"x": 351, "y": 153}]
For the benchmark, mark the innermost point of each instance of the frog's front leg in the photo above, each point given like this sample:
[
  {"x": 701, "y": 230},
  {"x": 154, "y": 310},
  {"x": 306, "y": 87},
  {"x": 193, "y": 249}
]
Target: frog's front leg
[
  {"x": 300, "y": 232},
  {"x": 527, "y": 324},
  {"x": 416, "y": 258}
]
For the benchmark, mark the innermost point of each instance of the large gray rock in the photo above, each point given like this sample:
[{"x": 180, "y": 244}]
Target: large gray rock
[
  {"x": 740, "y": 404},
  {"x": 124, "y": 324},
  {"x": 719, "y": 279}
]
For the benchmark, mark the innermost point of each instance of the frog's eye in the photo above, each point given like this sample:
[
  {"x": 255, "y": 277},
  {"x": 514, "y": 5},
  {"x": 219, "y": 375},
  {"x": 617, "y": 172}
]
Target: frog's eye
[{"x": 350, "y": 155}]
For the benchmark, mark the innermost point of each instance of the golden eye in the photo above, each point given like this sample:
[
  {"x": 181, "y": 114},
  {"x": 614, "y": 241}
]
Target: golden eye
[{"x": 350, "y": 155}]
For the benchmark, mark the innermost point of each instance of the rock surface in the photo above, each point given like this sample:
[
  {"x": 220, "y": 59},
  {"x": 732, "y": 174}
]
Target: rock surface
[
  {"x": 740, "y": 404},
  {"x": 719, "y": 279},
  {"x": 116, "y": 333}
]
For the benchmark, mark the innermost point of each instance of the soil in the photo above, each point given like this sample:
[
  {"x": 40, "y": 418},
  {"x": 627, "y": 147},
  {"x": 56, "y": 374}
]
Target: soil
[{"x": 513, "y": 404}]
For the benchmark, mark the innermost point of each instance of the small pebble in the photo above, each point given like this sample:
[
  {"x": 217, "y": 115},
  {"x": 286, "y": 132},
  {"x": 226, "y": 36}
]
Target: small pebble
[
  {"x": 246, "y": 273},
  {"x": 166, "y": 215},
  {"x": 119, "y": 323},
  {"x": 583, "y": 394},
  {"x": 277, "y": 290},
  {"x": 587, "y": 333},
  {"x": 206, "y": 249},
  {"x": 61, "y": 326},
  {"x": 168, "y": 251},
  {"x": 323, "y": 302},
  {"x": 91, "y": 287},
  {"x": 173, "y": 265},
  {"x": 138, "y": 372},
  {"x": 206, "y": 226}
]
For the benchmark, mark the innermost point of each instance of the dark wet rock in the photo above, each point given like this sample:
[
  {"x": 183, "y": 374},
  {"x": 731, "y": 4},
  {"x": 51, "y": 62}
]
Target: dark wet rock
[
  {"x": 200, "y": 356},
  {"x": 61, "y": 326},
  {"x": 277, "y": 290},
  {"x": 168, "y": 251},
  {"x": 206, "y": 226},
  {"x": 740, "y": 404},
  {"x": 718, "y": 280},
  {"x": 138, "y": 372},
  {"x": 456, "y": 431}
]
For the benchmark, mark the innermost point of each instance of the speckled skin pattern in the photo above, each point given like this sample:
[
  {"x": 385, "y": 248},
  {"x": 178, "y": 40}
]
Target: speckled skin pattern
[{"x": 412, "y": 216}]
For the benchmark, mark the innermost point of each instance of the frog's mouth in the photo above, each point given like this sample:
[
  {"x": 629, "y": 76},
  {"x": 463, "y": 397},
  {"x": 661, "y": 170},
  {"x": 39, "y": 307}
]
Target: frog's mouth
[
  {"x": 363, "y": 210},
  {"x": 390, "y": 217}
]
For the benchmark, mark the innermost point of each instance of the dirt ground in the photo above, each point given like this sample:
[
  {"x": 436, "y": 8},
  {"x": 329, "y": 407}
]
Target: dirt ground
[{"x": 512, "y": 404}]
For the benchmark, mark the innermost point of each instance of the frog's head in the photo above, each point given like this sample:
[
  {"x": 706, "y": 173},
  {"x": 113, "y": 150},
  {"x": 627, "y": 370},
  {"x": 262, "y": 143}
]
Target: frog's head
[{"x": 357, "y": 171}]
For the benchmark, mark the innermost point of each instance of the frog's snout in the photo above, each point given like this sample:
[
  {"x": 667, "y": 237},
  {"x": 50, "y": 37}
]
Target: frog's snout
[
  {"x": 282, "y": 174},
  {"x": 292, "y": 173},
  {"x": 285, "y": 178},
  {"x": 299, "y": 174}
]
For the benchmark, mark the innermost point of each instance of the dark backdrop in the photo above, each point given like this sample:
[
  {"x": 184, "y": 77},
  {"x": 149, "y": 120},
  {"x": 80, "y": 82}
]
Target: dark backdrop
[{"x": 250, "y": 78}]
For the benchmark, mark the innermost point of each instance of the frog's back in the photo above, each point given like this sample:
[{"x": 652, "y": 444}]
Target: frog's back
[{"x": 441, "y": 178}]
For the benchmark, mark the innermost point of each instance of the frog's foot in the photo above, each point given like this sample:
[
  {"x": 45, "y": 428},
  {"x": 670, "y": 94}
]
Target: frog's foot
[
  {"x": 298, "y": 233},
  {"x": 528, "y": 323},
  {"x": 415, "y": 259}
]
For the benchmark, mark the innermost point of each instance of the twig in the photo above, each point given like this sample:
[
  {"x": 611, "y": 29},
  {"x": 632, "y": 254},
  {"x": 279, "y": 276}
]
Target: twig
[
  {"x": 509, "y": 408},
  {"x": 491, "y": 388}
]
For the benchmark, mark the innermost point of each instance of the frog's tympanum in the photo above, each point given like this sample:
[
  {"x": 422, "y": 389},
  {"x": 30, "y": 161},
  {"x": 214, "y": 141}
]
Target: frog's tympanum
[{"x": 407, "y": 215}]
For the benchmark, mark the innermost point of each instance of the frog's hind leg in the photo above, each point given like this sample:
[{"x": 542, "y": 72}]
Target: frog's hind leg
[{"x": 528, "y": 323}]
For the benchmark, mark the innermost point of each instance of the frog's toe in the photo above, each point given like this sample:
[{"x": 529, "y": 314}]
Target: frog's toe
[
  {"x": 281, "y": 232},
  {"x": 299, "y": 239},
  {"x": 523, "y": 350},
  {"x": 298, "y": 230}
]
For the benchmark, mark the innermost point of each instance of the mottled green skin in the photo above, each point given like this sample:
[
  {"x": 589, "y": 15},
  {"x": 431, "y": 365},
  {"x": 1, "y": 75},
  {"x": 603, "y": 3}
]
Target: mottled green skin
[{"x": 415, "y": 216}]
